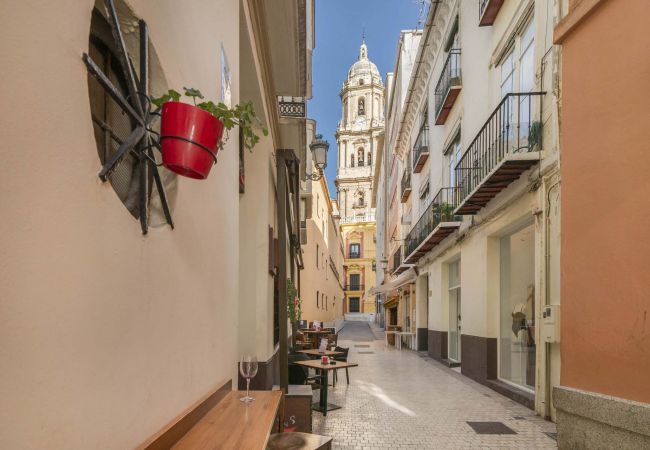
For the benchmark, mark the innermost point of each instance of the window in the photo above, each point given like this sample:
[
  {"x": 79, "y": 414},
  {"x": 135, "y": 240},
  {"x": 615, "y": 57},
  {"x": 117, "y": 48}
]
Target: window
[
  {"x": 362, "y": 106},
  {"x": 361, "y": 81},
  {"x": 326, "y": 303},
  {"x": 370, "y": 158},
  {"x": 317, "y": 256},
  {"x": 351, "y": 160},
  {"x": 424, "y": 197},
  {"x": 454, "y": 311},
  {"x": 517, "y": 308},
  {"x": 360, "y": 157},
  {"x": 112, "y": 126},
  {"x": 317, "y": 298},
  {"x": 454, "y": 153},
  {"x": 355, "y": 250},
  {"x": 355, "y": 282},
  {"x": 518, "y": 66},
  {"x": 360, "y": 198}
]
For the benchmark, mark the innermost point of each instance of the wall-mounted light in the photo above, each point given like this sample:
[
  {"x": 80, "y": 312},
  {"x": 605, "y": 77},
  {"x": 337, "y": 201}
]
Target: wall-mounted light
[{"x": 319, "y": 148}]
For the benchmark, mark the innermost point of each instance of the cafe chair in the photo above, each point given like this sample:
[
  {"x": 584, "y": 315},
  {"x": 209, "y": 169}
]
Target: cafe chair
[
  {"x": 300, "y": 375},
  {"x": 344, "y": 358},
  {"x": 332, "y": 340},
  {"x": 299, "y": 441}
]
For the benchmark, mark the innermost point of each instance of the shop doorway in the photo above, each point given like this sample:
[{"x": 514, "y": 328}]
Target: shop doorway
[
  {"x": 454, "y": 312},
  {"x": 517, "y": 308}
]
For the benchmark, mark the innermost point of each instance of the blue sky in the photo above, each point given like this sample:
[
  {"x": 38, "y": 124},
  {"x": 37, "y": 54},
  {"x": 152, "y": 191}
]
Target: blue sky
[{"x": 339, "y": 28}]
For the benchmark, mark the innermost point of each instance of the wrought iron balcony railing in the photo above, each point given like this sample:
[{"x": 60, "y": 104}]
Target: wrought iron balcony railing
[
  {"x": 406, "y": 184},
  {"x": 449, "y": 78},
  {"x": 354, "y": 255},
  {"x": 421, "y": 148},
  {"x": 512, "y": 130},
  {"x": 440, "y": 210},
  {"x": 355, "y": 287}
]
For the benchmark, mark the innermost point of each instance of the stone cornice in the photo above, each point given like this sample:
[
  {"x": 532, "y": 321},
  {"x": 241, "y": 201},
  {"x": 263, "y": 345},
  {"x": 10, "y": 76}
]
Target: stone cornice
[{"x": 440, "y": 13}]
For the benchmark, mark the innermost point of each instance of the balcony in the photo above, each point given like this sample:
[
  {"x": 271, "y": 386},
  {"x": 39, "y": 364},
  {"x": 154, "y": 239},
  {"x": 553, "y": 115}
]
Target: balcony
[
  {"x": 421, "y": 149},
  {"x": 437, "y": 222},
  {"x": 355, "y": 288},
  {"x": 398, "y": 265},
  {"x": 487, "y": 11},
  {"x": 509, "y": 144},
  {"x": 359, "y": 219},
  {"x": 406, "y": 185},
  {"x": 448, "y": 87}
]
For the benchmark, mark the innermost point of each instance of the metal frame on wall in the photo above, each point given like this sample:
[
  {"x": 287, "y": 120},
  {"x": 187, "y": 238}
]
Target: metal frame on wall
[{"x": 136, "y": 105}]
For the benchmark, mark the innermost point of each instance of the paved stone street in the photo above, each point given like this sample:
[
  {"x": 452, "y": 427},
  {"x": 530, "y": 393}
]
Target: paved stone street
[{"x": 399, "y": 400}]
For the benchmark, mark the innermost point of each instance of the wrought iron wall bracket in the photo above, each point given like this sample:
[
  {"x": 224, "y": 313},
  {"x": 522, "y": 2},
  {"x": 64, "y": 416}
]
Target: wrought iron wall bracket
[{"x": 137, "y": 105}]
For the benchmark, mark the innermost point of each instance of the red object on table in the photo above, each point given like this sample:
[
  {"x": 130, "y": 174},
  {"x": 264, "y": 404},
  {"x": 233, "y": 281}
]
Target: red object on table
[{"x": 189, "y": 138}]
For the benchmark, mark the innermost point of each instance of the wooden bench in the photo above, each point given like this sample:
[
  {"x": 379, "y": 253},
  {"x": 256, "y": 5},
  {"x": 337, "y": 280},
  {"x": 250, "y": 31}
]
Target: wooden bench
[{"x": 222, "y": 421}]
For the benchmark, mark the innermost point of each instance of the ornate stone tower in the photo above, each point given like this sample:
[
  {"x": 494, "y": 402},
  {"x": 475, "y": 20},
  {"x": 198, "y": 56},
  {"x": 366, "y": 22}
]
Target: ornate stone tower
[{"x": 362, "y": 121}]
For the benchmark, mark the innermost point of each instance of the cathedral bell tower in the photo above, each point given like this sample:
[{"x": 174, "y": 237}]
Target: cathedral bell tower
[{"x": 362, "y": 121}]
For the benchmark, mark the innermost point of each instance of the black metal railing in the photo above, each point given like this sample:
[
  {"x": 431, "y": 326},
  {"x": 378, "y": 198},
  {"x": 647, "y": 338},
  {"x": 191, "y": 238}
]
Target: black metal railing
[
  {"x": 354, "y": 255},
  {"x": 441, "y": 209},
  {"x": 397, "y": 258},
  {"x": 406, "y": 180},
  {"x": 421, "y": 143},
  {"x": 482, "y": 4},
  {"x": 449, "y": 77},
  {"x": 355, "y": 287},
  {"x": 514, "y": 127}
]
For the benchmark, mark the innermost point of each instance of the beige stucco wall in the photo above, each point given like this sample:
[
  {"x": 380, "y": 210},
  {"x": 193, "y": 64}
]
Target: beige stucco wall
[
  {"x": 105, "y": 334},
  {"x": 323, "y": 236}
]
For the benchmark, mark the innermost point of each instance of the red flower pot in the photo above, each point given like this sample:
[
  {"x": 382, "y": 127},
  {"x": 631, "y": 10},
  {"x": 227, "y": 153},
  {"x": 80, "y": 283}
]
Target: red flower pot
[{"x": 189, "y": 138}]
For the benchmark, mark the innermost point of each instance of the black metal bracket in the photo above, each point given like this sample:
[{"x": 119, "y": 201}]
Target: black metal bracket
[{"x": 137, "y": 105}]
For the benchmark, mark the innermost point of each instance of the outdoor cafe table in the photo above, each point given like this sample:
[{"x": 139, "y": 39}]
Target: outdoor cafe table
[
  {"x": 232, "y": 423},
  {"x": 316, "y": 352},
  {"x": 322, "y": 405},
  {"x": 314, "y": 334}
]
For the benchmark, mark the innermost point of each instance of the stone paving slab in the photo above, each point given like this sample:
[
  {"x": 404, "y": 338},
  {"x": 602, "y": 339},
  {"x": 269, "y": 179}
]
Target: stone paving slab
[{"x": 403, "y": 400}]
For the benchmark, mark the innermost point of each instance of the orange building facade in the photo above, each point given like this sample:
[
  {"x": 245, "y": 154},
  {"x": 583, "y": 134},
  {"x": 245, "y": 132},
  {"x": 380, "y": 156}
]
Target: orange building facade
[{"x": 604, "y": 397}]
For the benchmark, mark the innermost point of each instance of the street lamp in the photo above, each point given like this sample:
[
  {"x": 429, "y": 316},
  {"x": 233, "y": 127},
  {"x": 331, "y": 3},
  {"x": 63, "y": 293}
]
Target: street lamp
[{"x": 318, "y": 147}]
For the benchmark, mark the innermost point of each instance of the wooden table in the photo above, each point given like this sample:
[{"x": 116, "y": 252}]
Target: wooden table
[
  {"x": 315, "y": 334},
  {"x": 322, "y": 405},
  {"x": 235, "y": 424},
  {"x": 315, "y": 352}
]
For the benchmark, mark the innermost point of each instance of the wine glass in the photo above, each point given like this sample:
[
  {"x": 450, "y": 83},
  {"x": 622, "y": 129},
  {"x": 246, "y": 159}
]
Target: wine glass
[{"x": 248, "y": 370}]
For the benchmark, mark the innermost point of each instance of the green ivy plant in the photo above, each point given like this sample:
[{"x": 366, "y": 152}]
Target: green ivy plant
[
  {"x": 294, "y": 304},
  {"x": 242, "y": 115}
]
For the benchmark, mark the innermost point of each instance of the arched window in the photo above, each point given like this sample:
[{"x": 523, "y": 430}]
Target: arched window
[
  {"x": 362, "y": 106},
  {"x": 351, "y": 160},
  {"x": 361, "y": 82},
  {"x": 360, "y": 198},
  {"x": 360, "y": 156},
  {"x": 370, "y": 158}
]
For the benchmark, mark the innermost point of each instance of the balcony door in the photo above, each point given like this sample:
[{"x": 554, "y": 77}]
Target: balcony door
[
  {"x": 355, "y": 282},
  {"x": 454, "y": 312}
]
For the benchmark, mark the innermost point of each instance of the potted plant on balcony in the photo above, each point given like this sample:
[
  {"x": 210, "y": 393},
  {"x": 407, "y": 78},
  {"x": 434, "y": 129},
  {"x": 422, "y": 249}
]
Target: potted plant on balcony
[
  {"x": 535, "y": 136},
  {"x": 191, "y": 134}
]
